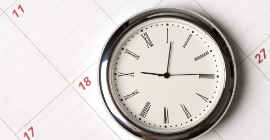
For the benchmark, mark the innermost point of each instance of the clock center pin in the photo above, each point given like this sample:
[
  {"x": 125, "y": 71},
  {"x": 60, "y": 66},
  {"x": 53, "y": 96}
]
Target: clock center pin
[{"x": 166, "y": 75}]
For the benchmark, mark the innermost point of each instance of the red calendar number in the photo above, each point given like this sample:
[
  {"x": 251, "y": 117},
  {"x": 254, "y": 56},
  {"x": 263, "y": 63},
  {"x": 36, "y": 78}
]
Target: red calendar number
[
  {"x": 87, "y": 82},
  {"x": 19, "y": 8},
  {"x": 25, "y": 134},
  {"x": 259, "y": 55}
]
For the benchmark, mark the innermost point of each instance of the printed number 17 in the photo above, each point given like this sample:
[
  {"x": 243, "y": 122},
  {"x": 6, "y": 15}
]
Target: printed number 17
[{"x": 25, "y": 134}]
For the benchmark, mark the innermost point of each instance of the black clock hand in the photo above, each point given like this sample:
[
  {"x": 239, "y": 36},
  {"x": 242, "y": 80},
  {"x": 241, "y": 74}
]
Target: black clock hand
[
  {"x": 169, "y": 58},
  {"x": 207, "y": 76},
  {"x": 158, "y": 74}
]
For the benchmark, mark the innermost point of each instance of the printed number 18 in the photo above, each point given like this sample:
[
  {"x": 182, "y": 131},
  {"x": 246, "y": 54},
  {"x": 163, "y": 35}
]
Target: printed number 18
[{"x": 87, "y": 82}]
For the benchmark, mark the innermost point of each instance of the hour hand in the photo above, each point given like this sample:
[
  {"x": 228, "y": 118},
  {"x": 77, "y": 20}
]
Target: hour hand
[{"x": 158, "y": 74}]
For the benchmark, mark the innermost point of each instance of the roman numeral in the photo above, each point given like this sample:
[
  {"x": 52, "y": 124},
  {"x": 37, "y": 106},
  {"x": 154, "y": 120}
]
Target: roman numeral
[
  {"x": 201, "y": 56},
  {"x": 167, "y": 35},
  {"x": 127, "y": 74},
  {"x": 145, "y": 109},
  {"x": 147, "y": 40},
  {"x": 166, "y": 115},
  {"x": 204, "y": 98},
  {"x": 132, "y": 54},
  {"x": 187, "y": 40},
  {"x": 132, "y": 94},
  {"x": 185, "y": 111}
]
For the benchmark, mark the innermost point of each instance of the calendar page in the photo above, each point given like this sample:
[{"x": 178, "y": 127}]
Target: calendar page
[{"x": 49, "y": 52}]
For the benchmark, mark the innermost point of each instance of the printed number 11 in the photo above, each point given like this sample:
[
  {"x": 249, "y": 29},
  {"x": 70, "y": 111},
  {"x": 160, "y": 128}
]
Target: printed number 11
[{"x": 19, "y": 7}]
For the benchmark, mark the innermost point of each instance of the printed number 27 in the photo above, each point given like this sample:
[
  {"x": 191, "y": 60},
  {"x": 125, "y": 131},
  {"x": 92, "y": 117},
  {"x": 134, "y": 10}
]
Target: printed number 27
[
  {"x": 25, "y": 134},
  {"x": 259, "y": 55}
]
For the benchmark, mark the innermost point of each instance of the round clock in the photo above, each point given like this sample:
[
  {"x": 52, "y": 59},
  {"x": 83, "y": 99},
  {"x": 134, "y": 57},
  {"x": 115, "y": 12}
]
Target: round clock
[{"x": 167, "y": 73}]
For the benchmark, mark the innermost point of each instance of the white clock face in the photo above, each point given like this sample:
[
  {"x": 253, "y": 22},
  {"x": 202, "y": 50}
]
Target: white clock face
[{"x": 166, "y": 75}]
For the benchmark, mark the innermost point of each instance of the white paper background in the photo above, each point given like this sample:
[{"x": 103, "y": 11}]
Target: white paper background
[{"x": 53, "y": 45}]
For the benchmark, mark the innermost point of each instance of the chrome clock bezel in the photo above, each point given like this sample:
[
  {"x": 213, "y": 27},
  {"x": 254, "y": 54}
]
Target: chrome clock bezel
[{"x": 208, "y": 27}]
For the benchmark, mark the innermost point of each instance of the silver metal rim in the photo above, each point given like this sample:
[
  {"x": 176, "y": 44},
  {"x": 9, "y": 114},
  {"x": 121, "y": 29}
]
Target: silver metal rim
[{"x": 200, "y": 21}]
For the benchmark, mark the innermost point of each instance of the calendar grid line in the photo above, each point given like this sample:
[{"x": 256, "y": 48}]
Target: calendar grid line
[
  {"x": 248, "y": 110},
  {"x": 224, "y": 31},
  {"x": 18, "y": 79},
  {"x": 265, "y": 114},
  {"x": 43, "y": 108},
  {"x": 105, "y": 12},
  {"x": 69, "y": 84},
  {"x": 44, "y": 97},
  {"x": 62, "y": 91},
  {"x": 238, "y": 117},
  {"x": 159, "y": 3},
  {"x": 74, "y": 50},
  {"x": 217, "y": 133},
  {"x": 241, "y": 61},
  {"x": 1, "y": 10},
  {"x": 252, "y": 98},
  {"x": 259, "y": 45},
  {"x": 59, "y": 24},
  {"x": 84, "y": 71},
  {"x": 259, "y": 69},
  {"x": 256, "y": 121},
  {"x": 10, "y": 5},
  {"x": 94, "y": 111},
  {"x": 70, "y": 113},
  {"x": 50, "y": 64},
  {"x": 239, "y": 15},
  {"x": 122, "y": 5},
  {"x": 37, "y": 96},
  {"x": 38, "y": 49},
  {"x": 247, "y": 56},
  {"x": 9, "y": 127},
  {"x": 255, "y": 23}
]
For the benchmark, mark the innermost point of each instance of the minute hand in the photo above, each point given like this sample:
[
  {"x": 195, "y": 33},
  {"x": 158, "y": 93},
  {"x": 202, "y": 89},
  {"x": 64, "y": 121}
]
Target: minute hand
[{"x": 207, "y": 76}]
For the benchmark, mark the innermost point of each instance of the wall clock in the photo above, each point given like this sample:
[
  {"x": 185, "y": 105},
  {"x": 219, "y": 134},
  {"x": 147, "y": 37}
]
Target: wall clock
[{"x": 167, "y": 73}]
